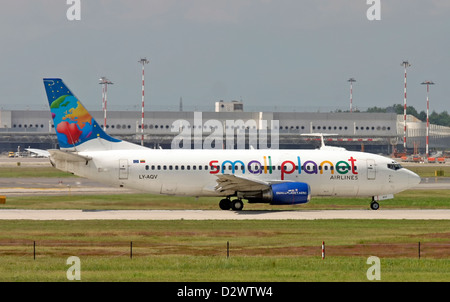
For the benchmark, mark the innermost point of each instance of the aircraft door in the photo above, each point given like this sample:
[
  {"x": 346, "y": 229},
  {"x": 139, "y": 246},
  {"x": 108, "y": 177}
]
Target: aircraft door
[
  {"x": 371, "y": 169},
  {"x": 123, "y": 168}
]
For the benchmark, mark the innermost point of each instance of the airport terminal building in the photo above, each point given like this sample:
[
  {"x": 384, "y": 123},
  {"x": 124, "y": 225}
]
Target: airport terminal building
[{"x": 371, "y": 132}]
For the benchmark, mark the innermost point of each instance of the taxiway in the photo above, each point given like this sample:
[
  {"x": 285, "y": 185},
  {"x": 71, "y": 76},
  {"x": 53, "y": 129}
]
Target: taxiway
[{"x": 14, "y": 214}]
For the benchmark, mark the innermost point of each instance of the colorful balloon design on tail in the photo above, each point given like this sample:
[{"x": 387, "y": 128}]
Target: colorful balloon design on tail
[{"x": 73, "y": 123}]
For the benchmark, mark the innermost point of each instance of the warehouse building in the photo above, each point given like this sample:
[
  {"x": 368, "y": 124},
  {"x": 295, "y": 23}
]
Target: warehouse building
[{"x": 371, "y": 132}]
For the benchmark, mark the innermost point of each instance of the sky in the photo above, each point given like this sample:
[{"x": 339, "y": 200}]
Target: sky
[{"x": 278, "y": 55}]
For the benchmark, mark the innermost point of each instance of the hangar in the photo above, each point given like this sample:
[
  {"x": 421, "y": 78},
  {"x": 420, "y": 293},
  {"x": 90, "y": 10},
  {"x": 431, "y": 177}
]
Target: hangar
[{"x": 371, "y": 132}]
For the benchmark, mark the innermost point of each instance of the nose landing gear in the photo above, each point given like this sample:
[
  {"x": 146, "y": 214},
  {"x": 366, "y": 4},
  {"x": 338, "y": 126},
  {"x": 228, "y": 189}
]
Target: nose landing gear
[{"x": 374, "y": 205}]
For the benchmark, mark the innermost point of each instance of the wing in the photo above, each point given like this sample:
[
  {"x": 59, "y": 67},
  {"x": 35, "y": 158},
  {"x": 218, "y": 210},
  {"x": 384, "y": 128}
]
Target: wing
[{"x": 230, "y": 184}]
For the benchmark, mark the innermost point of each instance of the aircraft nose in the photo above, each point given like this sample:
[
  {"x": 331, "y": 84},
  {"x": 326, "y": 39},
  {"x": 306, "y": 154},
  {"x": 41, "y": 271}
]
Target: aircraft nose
[{"x": 413, "y": 179}]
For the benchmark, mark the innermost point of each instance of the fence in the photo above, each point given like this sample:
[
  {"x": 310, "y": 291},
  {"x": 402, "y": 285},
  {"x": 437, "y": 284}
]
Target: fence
[{"x": 139, "y": 249}]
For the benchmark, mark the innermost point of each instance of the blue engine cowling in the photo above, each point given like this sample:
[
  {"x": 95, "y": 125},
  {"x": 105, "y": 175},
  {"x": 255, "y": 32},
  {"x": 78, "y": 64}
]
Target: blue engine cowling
[
  {"x": 290, "y": 193},
  {"x": 285, "y": 193}
]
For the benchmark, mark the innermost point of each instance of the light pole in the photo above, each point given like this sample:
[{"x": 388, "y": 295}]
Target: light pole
[
  {"x": 104, "y": 82},
  {"x": 351, "y": 80},
  {"x": 404, "y": 64},
  {"x": 428, "y": 83},
  {"x": 143, "y": 62}
]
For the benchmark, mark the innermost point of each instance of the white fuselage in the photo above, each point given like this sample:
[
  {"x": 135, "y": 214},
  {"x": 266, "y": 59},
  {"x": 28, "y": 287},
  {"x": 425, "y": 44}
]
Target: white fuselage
[
  {"x": 266, "y": 175},
  {"x": 194, "y": 172}
]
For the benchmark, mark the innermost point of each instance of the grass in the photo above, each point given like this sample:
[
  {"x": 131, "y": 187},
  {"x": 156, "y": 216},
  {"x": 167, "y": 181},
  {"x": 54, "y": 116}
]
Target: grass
[
  {"x": 424, "y": 170},
  {"x": 269, "y": 251},
  {"x": 220, "y": 269},
  {"x": 33, "y": 171},
  {"x": 210, "y": 237},
  {"x": 424, "y": 199}
]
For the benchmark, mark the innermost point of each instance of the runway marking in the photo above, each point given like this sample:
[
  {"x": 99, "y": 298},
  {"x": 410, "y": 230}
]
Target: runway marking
[{"x": 398, "y": 214}]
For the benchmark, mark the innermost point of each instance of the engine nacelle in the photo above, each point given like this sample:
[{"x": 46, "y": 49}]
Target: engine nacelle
[{"x": 284, "y": 194}]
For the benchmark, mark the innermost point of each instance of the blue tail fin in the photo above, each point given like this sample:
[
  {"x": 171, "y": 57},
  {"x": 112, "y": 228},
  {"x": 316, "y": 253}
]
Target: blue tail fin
[{"x": 73, "y": 123}]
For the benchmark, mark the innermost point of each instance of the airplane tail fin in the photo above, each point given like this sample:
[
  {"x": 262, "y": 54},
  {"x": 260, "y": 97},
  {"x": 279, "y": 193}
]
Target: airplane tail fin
[{"x": 75, "y": 127}]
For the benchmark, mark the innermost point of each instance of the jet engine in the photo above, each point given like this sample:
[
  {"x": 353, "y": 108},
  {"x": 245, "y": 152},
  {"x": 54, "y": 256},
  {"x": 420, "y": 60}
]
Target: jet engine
[{"x": 285, "y": 193}]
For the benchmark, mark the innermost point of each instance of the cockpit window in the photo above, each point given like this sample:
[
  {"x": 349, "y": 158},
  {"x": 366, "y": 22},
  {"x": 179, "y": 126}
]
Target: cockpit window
[{"x": 394, "y": 166}]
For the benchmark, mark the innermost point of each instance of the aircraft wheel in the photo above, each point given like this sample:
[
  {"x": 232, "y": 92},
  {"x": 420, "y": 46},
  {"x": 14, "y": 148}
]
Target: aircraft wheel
[
  {"x": 237, "y": 205},
  {"x": 225, "y": 204},
  {"x": 374, "y": 205}
]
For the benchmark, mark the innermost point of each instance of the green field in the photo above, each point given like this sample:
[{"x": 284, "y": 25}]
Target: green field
[
  {"x": 424, "y": 170},
  {"x": 197, "y": 250},
  {"x": 219, "y": 269},
  {"x": 181, "y": 250},
  {"x": 33, "y": 171},
  {"x": 413, "y": 199}
]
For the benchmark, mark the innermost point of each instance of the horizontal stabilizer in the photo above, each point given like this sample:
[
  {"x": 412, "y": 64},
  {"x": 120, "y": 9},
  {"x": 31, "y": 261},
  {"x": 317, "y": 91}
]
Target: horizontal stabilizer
[
  {"x": 39, "y": 152},
  {"x": 68, "y": 156}
]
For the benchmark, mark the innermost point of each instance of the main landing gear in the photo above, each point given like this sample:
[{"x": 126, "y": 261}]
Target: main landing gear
[
  {"x": 374, "y": 205},
  {"x": 235, "y": 205}
]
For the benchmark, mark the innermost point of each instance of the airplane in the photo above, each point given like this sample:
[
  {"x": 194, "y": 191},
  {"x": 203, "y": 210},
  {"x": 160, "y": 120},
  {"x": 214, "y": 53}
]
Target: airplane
[{"x": 277, "y": 177}]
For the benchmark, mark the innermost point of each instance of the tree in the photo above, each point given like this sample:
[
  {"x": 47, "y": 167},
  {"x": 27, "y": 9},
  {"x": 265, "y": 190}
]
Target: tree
[
  {"x": 376, "y": 109},
  {"x": 412, "y": 111},
  {"x": 398, "y": 108},
  {"x": 442, "y": 119},
  {"x": 422, "y": 116}
]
